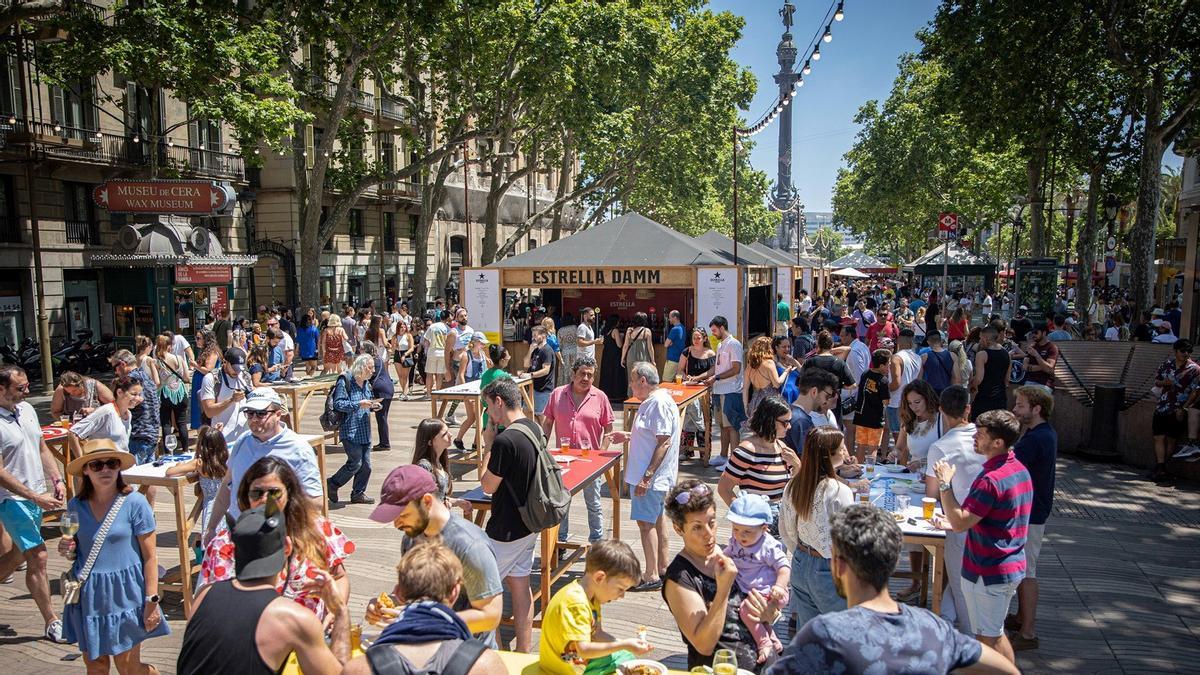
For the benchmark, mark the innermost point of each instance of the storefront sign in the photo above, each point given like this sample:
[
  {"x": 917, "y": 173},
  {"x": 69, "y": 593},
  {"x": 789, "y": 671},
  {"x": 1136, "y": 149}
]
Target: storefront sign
[
  {"x": 481, "y": 297},
  {"x": 633, "y": 277},
  {"x": 783, "y": 283},
  {"x": 718, "y": 294},
  {"x": 807, "y": 280},
  {"x": 203, "y": 274},
  {"x": 220, "y": 299},
  {"x": 184, "y": 197}
]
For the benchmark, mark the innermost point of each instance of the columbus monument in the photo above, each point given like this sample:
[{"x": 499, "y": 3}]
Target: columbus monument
[{"x": 784, "y": 196}]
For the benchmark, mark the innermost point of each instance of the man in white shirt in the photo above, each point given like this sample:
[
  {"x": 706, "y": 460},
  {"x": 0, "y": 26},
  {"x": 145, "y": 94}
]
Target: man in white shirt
[
  {"x": 905, "y": 368},
  {"x": 183, "y": 349},
  {"x": 652, "y": 468},
  {"x": 223, "y": 392},
  {"x": 957, "y": 447},
  {"x": 805, "y": 302},
  {"x": 29, "y": 484},
  {"x": 727, "y": 386},
  {"x": 1163, "y": 334},
  {"x": 858, "y": 360},
  {"x": 585, "y": 335}
]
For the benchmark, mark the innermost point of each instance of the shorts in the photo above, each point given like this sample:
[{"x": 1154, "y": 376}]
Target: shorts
[
  {"x": 649, "y": 507},
  {"x": 435, "y": 362},
  {"x": 1165, "y": 424},
  {"x": 988, "y": 605},
  {"x": 540, "y": 399},
  {"x": 142, "y": 450},
  {"x": 1033, "y": 549},
  {"x": 893, "y": 420},
  {"x": 734, "y": 412},
  {"x": 515, "y": 558},
  {"x": 868, "y": 436},
  {"x": 23, "y": 521}
]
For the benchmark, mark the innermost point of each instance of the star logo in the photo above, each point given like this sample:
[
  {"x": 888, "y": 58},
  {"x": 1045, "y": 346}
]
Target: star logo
[
  {"x": 716, "y": 276},
  {"x": 482, "y": 276},
  {"x": 621, "y": 297}
]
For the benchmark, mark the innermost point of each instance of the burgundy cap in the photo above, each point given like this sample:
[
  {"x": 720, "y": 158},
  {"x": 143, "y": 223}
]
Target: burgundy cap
[{"x": 402, "y": 485}]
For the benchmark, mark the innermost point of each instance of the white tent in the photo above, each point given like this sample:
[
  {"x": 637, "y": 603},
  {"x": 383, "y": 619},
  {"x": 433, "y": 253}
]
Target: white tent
[{"x": 850, "y": 272}]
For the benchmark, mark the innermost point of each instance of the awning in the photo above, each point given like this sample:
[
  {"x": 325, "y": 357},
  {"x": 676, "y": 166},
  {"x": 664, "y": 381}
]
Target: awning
[
  {"x": 169, "y": 242},
  {"x": 850, "y": 272}
]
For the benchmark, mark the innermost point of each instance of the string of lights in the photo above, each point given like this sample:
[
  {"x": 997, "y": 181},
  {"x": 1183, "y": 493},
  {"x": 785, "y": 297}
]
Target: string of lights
[{"x": 835, "y": 13}]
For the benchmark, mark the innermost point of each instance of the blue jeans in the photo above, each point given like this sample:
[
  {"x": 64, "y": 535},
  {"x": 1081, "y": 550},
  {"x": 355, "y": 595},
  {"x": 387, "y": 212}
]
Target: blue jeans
[
  {"x": 142, "y": 449},
  {"x": 358, "y": 466},
  {"x": 591, "y": 497},
  {"x": 813, "y": 592}
]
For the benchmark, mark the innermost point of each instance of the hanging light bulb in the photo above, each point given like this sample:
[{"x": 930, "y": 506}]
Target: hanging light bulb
[
  {"x": 828, "y": 36},
  {"x": 137, "y": 139},
  {"x": 787, "y": 100},
  {"x": 12, "y": 119},
  {"x": 57, "y": 127},
  {"x": 800, "y": 83},
  {"x": 793, "y": 93},
  {"x": 807, "y": 69},
  {"x": 816, "y": 55},
  {"x": 99, "y": 135},
  {"x": 839, "y": 14},
  {"x": 256, "y": 151}
]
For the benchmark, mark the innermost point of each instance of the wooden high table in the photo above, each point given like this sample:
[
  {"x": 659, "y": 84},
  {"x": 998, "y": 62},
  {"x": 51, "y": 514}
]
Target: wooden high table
[
  {"x": 145, "y": 475},
  {"x": 440, "y": 400},
  {"x": 306, "y": 388},
  {"x": 919, "y": 532},
  {"x": 684, "y": 395},
  {"x": 516, "y": 663},
  {"x": 56, "y": 440},
  {"x": 581, "y": 471}
]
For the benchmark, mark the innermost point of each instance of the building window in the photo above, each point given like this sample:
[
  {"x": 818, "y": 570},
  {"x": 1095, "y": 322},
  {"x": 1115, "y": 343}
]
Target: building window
[
  {"x": 414, "y": 223},
  {"x": 79, "y": 214},
  {"x": 532, "y": 244},
  {"x": 72, "y": 108},
  {"x": 204, "y": 144},
  {"x": 10, "y": 86},
  {"x": 10, "y": 227},
  {"x": 357, "y": 237},
  {"x": 389, "y": 231},
  {"x": 457, "y": 253},
  {"x": 321, "y": 224}
]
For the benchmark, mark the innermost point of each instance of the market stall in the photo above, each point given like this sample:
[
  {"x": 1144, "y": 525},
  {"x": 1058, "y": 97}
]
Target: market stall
[
  {"x": 760, "y": 272},
  {"x": 964, "y": 269},
  {"x": 869, "y": 265},
  {"x": 621, "y": 267}
]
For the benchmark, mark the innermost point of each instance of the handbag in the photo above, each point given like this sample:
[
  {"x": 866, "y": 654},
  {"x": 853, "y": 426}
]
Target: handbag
[{"x": 71, "y": 584}]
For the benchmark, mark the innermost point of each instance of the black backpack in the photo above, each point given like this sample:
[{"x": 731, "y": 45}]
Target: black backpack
[
  {"x": 546, "y": 498},
  {"x": 332, "y": 418},
  {"x": 385, "y": 660}
]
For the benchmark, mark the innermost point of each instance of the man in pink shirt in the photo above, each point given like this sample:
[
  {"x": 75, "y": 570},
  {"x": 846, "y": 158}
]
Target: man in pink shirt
[{"x": 581, "y": 412}]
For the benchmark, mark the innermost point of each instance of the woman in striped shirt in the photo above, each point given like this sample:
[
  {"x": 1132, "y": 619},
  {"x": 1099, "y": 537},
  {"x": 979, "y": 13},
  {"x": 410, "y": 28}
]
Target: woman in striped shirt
[{"x": 762, "y": 464}]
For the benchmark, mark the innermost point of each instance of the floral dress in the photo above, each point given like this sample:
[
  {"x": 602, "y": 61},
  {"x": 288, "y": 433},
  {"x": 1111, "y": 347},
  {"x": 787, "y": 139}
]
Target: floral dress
[{"x": 218, "y": 565}]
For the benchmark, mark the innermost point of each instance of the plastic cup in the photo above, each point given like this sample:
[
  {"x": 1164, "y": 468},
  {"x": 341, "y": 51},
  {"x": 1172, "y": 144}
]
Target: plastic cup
[
  {"x": 927, "y": 503},
  {"x": 902, "y": 502},
  {"x": 564, "y": 444}
]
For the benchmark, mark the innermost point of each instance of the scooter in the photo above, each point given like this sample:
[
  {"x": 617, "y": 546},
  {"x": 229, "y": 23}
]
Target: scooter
[{"x": 72, "y": 354}]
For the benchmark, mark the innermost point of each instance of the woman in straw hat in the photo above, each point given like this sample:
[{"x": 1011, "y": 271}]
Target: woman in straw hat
[{"x": 118, "y": 603}]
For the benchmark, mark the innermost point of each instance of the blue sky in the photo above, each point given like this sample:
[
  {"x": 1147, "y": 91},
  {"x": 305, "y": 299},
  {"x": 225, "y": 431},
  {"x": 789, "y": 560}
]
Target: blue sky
[{"x": 858, "y": 65}]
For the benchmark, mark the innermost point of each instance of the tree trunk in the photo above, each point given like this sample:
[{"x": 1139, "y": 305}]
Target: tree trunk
[
  {"x": 1141, "y": 235},
  {"x": 1033, "y": 174},
  {"x": 433, "y": 193},
  {"x": 1087, "y": 243},
  {"x": 491, "y": 215},
  {"x": 1072, "y": 200}
]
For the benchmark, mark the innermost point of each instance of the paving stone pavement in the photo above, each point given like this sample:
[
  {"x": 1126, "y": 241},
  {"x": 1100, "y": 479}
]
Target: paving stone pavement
[{"x": 1120, "y": 573}]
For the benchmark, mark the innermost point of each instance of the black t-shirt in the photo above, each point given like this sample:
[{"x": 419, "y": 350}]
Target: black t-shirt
[
  {"x": 734, "y": 634},
  {"x": 1143, "y": 333},
  {"x": 538, "y": 358},
  {"x": 873, "y": 394},
  {"x": 834, "y": 365},
  {"x": 1021, "y": 328},
  {"x": 513, "y": 459}
]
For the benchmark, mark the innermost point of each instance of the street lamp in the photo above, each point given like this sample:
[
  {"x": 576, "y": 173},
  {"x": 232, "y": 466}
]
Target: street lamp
[{"x": 1110, "y": 207}]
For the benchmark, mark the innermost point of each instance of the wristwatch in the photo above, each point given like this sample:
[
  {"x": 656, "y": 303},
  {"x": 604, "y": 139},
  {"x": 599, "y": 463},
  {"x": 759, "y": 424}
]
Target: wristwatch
[
  {"x": 945, "y": 487},
  {"x": 648, "y": 475},
  {"x": 154, "y": 599}
]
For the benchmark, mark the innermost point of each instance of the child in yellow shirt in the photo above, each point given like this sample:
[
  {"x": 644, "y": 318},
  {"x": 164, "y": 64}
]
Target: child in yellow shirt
[{"x": 571, "y": 630}]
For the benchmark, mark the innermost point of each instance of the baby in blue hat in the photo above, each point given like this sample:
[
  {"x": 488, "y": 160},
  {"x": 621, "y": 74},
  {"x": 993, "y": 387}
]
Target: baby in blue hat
[{"x": 762, "y": 565}]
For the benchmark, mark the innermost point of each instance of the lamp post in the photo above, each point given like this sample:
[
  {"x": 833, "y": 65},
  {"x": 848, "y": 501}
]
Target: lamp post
[{"x": 734, "y": 153}]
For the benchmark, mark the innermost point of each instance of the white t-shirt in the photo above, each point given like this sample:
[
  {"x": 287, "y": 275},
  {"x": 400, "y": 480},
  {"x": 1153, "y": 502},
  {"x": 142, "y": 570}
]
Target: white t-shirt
[
  {"x": 910, "y": 370},
  {"x": 858, "y": 361},
  {"x": 231, "y": 417},
  {"x": 21, "y": 448},
  {"x": 179, "y": 347},
  {"x": 289, "y": 345},
  {"x": 1165, "y": 339},
  {"x": 585, "y": 332},
  {"x": 729, "y": 352},
  {"x": 957, "y": 447},
  {"x": 656, "y": 416},
  {"x": 822, "y": 419},
  {"x": 104, "y": 422},
  {"x": 806, "y": 305},
  {"x": 1113, "y": 334}
]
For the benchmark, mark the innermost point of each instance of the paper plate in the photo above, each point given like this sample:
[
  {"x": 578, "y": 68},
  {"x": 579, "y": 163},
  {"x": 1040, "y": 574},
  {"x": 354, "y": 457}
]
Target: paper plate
[
  {"x": 893, "y": 468},
  {"x": 564, "y": 459},
  {"x": 653, "y": 666}
]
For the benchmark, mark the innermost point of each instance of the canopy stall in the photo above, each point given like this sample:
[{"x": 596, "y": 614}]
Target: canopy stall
[
  {"x": 850, "y": 273},
  {"x": 762, "y": 271},
  {"x": 620, "y": 267},
  {"x": 810, "y": 274},
  {"x": 864, "y": 263},
  {"x": 965, "y": 269}
]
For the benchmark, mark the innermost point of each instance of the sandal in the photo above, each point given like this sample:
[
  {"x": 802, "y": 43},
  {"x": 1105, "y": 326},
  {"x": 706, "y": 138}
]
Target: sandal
[{"x": 647, "y": 586}]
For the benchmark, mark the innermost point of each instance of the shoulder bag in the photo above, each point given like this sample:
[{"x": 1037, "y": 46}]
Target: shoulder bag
[
  {"x": 69, "y": 583},
  {"x": 546, "y": 497}
]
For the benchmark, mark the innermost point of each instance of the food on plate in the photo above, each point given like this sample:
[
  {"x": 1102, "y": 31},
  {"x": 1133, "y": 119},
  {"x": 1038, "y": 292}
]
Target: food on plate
[
  {"x": 642, "y": 667},
  {"x": 385, "y": 600}
]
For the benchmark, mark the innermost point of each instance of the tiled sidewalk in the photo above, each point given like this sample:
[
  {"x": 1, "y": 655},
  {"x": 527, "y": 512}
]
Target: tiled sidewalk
[{"x": 1120, "y": 575}]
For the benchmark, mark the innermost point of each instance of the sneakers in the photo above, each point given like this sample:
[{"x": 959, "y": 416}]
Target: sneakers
[
  {"x": 381, "y": 448},
  {"x": 717, "y": 461},
  {"x": 8, "y": 579},
  {"x": 331, "y": 492},
  {"x": 1189, "y": 452},
  {"x": 1020, "y": 643},
  {"x": 361, "y": 499},
  {"x": 450, "y": 421},
  {"x": 54, "y": 632},
  {"x": 459, "y": 444}
]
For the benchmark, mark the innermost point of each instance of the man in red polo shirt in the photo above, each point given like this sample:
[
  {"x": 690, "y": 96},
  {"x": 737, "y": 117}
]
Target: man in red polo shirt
[
  {"x": 581, "y": 412},
  {"x": 995, "y": 516}
]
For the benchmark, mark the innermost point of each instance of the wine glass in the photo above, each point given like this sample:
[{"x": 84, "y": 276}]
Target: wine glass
[
  {"x": 69, "y": 522},
  {"x": 724, "y": 662},
  {"x": 170, "y": 443}
]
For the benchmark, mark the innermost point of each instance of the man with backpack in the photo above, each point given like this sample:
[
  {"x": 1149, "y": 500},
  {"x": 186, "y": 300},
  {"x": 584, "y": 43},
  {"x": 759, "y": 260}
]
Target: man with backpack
[
  {"x": 224, "y": 391},
  {"x": 527, "y": 496}
]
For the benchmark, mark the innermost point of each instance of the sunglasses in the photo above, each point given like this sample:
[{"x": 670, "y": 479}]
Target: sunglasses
[
  {"x": 783, "y": 420},
  {"x": 260, "y": 413},
  {"x": 686, "y": 496},
  {"x": 102, "y": 464},
  {"x": 256, "y": 494}
]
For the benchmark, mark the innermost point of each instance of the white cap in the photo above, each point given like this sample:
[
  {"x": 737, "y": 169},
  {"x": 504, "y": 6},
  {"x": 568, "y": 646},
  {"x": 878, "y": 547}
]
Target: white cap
[{"x": 263, "y": 398}]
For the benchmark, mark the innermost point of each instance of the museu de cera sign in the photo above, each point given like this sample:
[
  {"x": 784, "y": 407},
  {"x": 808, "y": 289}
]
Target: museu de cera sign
[
  {"x": 165, "y": 197},
  {"x": 598, "y": 277}
]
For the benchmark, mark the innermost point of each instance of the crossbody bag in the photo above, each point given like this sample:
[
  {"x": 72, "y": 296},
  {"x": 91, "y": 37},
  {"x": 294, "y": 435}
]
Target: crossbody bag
[{"x": 72, "y": 584}]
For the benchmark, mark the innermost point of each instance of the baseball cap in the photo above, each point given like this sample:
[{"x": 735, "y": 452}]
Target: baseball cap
[
  {"x": 235, "y": 356},
  {"x": 750, "y": 509},
  {"x": 1158, "y": 312},
  {"x": 263, "y": 398},
  {"x": 1023, "y": 308},
  {"x": 258, "y": 539},
  {"x": 402, "y": 485},
  {"x": 479, "y": 336}
]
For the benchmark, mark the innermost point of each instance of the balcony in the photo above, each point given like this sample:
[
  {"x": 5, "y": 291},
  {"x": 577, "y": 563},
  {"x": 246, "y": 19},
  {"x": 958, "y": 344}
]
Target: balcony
[
  {"x": 86, "y": 145},
  {"x": 358, "y": 242},
  {"x": 363, "y": 100},
  {"x": 400, "y": 189},
  {"x": 392, "y": 109},
  {"x": 83, "y": 232}
]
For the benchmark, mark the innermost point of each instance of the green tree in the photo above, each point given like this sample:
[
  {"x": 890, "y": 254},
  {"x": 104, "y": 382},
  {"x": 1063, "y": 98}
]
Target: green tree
[{"x": 827, "y": 244}]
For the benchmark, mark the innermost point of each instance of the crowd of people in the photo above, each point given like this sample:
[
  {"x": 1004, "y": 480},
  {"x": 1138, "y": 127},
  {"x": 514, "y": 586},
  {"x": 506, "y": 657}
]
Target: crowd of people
[{"x": 866, "y": 374}]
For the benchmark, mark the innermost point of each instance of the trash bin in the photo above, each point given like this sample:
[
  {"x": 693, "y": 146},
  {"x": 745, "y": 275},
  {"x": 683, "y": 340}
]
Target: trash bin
[{"x": 1109, "y": 399}]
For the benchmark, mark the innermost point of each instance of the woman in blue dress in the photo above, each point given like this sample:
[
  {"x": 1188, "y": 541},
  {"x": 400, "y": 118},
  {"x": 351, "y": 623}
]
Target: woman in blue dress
[
  {"x": 118, "y": 603},
  {"x": 209, "y": 359}
]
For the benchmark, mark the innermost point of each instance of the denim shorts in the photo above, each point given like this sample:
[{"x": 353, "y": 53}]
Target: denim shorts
[
  {"x": 142, "y": 450},
  {"x": 893, "y": 420},
  {"x": 988, "y": 605},
  {"x": 649, "y": 507},
  {"x": 23, "y": 521},
  {"x": 540, "y": 399},
  {"x": 733, "y": 410}
]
